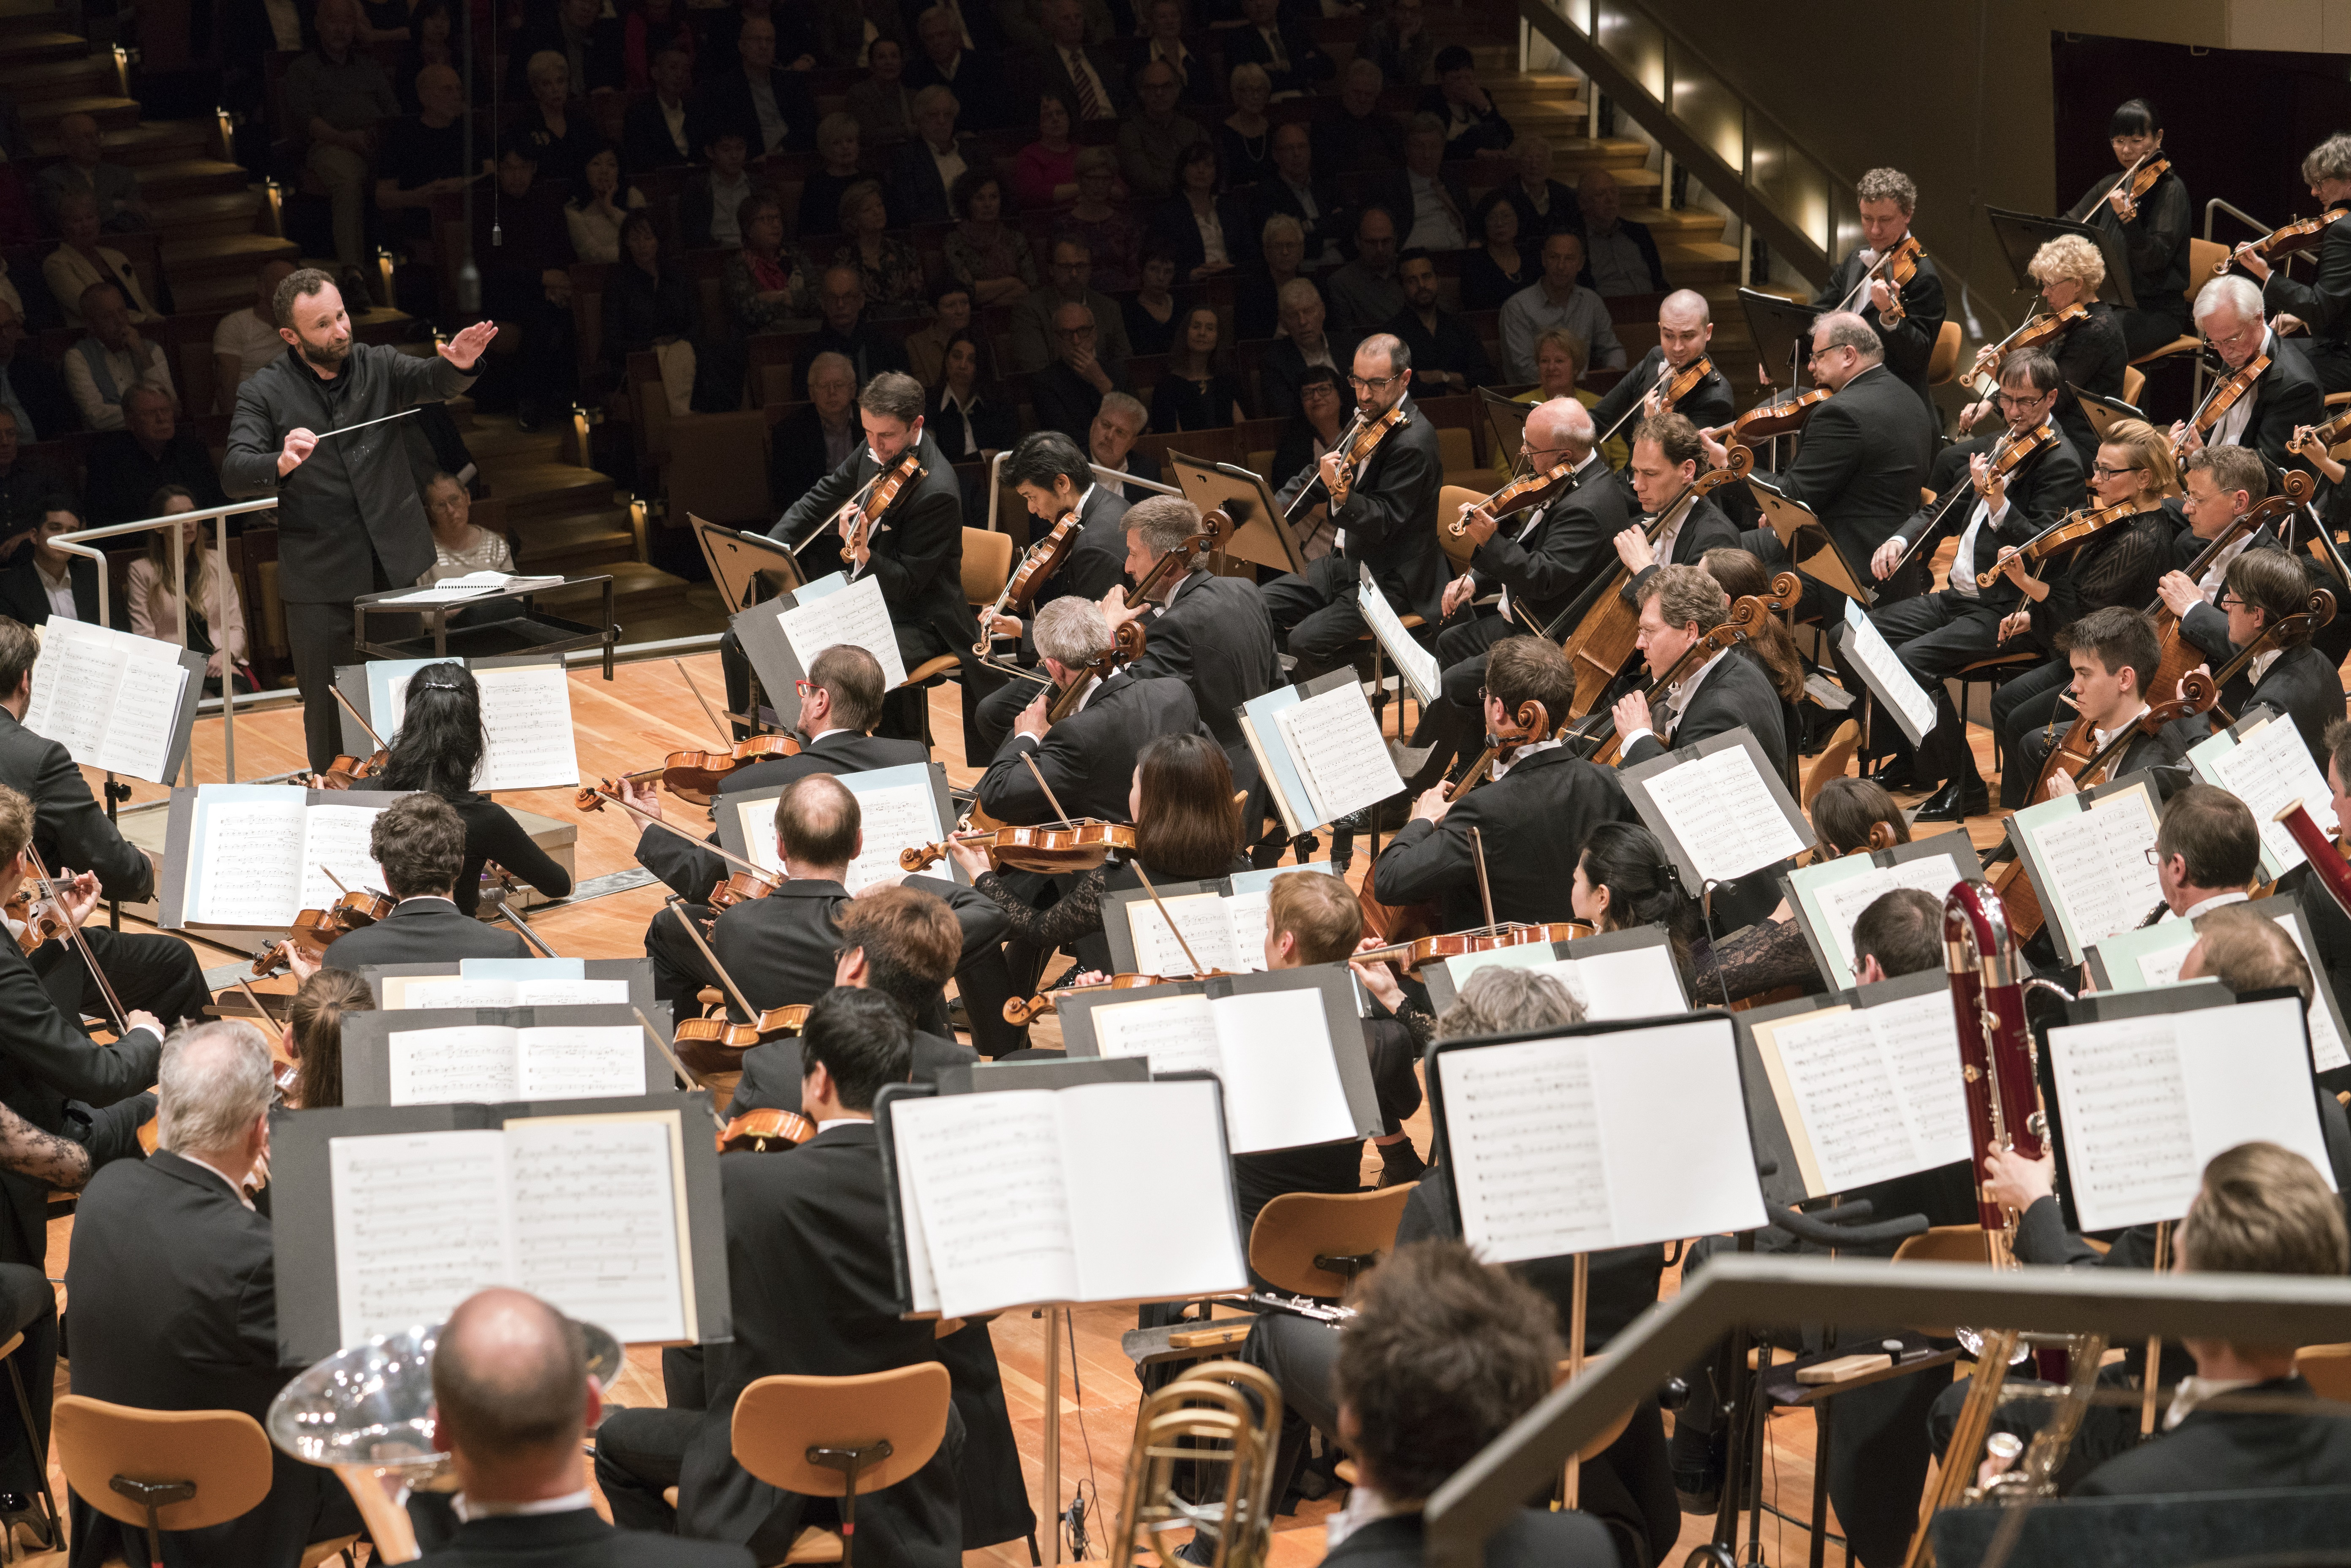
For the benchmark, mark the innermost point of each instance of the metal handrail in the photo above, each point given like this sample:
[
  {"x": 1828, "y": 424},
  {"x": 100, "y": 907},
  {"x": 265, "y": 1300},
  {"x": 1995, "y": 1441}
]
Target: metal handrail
[
  {"x": 2234, "y": 211},
  {"x": 1117, "y": 476},
  {"x": 73, "y": 544}
]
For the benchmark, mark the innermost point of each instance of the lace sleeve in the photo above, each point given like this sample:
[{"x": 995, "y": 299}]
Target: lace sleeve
[
  {"x": 1770, "y": 956},
  {"x": 1078, "y": 913}
]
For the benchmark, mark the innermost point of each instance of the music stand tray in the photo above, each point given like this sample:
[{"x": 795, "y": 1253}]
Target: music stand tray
[
  {"x": 1262, "y": 535},
  {"x": 532, "y": 630},
  {"x": 738, "y": 559},
  {"x": 2023, "y": 233},
  {"x": 1810, "y": 547},
  {"x": 1783, "y": 328}
]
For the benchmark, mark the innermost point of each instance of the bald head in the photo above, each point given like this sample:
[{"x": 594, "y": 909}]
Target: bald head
[
  {"x": 1563, "y": 424},
  {"x": 511, "y": 1396},
  {"x": 1597, "y": 195},
  {"x": 1684, "y": 326}
]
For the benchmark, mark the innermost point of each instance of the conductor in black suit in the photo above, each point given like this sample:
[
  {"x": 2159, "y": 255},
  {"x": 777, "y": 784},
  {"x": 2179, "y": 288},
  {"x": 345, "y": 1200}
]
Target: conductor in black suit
[
  {"x": 420, "y": 842},
  {"x": 2286, "y": 396},
  {"x": 808, "y": 1260},
  {"x": 1684, "y": 328},
  {"x": 1726, "y": 690},
  {"x": 173, "y": 1240},
  {"x": 1859, "y": 465},
  {"x": 1386, "y": 518},
  {"x": 914, "y": 551},
  {"x": 511, "y": 1401},
  {"x": 349, "y": 521},
  {"x": 1908, "y": 324}
]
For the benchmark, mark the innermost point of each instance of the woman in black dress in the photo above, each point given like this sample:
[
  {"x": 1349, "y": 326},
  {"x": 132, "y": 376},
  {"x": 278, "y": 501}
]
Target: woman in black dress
[
  {"x": 1497, "y": 268},
  {"x": 2091, "y": 353},
  {"x": 2154, "y": 231},
  {"x": 1152, "y": 315},
  {"x": 1195, "y": 394}
]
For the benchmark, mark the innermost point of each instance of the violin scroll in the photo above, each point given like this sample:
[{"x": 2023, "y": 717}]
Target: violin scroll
[{"x": 1740, "y": 464}]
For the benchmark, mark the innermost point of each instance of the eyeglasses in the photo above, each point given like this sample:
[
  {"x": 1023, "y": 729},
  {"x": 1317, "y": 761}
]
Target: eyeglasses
[
  {"x": 2228, "y": 600},
  {"x": 804, "y": 688},
  {"x": 2102, "y": 472},
  {"x": 1372, "y": 383},
  {"x": 2022, "y": 400},
  {"x": 1817, "y": 355},
  {"x": 2155, "y": 856}
]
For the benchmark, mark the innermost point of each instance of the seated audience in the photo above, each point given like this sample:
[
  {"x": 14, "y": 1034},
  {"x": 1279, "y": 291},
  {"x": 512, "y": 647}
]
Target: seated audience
[
  {"x": 422, "y": 160},
  {"x": 1295, "y": 186},
  {"x": 1257, "y": 291},
  {"x": 1619, "y": 256},
  {"x": 247, "y": 340},
  {"x": 336, "y": 95},
  {"x": 25, "y": 491},
  {"x": 431, "y": 33},
  {"x": 1074, "y": 68},
  {"x": 772, "y": 108},
  {"x": 657, "y": 131},
  {"x": 593, "y": 216},
  {"x": 986, "y": 254},
  {"x": 1111, "y": 237},
  {"x": 1544, "y": 205},
  {"x": 883, "y": 107},
  {"x": 80, "y": 263},
  {"x": 1352, "y": 134},
  {"x": 1472, "y": 123},
  {"x": 589, "y": 42},
  {"x": 650, "y": 29},
  {"x": 924, "y": 173},
  {"x": 45, "y": 582},
  {"x": 1152, "y": 137},
  {"x": 1111, "y": 443},
  {"x": 113, "y": 358},
  {"x": 838, "y": 143},
  {"x": 709, "y": 207},
  {"x": 1244, "y": 138},
  {"x": 765, "y": 285},
  {"x": 30, "y": 387},
  {"x": 945, "y": 60},
  {"x": 1067, "y": 393},
  {"x": 215, "y": 626},
  {"x": 559, "y": 133},
  {"x": 113, "y": 186},
  {"x": 1045, "y": 171},
  {"x": 1447, "y": 354},
  {"x": 1497, "y": 266},
  {"x": 1304, "y": 342},
  {"x": 822, "y": 435},
  {"x": 890, "y": 268},
  {"x": 841, "y": 298},
  {"x": 1068, "y": 281},
  {"x": 1556, "y": 299},
  {"x": 651, "y": 306},
  {"x": 1293, "y": 62},
  {"x": 1194, "y": 392},
  {"x": 1163, "y": 25},
  {"x": 1429, "y": 205},
  {"x": 1398, "y": 41},
  {"x": 527, "y": 285},
  {"x": 1316, "y": 420},
  {"x": 927, "y": 347},
  {"x": 1152, "y": 316},
  {"x": 127, "y": 466},
  {"x": 460, "y": 545},
  {"x": 964, "y": 423},
  {"x": 1204, "y": 231},
  {"x": 1364, "y": 293}
]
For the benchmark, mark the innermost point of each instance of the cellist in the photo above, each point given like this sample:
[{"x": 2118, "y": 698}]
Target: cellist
[{"x": 2222, "y": 485}]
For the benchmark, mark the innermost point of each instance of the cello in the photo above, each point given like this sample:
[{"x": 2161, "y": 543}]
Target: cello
[
  {"x": 1747, "y": 613},
  {"x": 2178, "y": 654}
]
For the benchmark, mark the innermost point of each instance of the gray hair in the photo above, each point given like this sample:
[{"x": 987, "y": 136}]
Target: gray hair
[
  {"x": 2330, "y": 160},
  {"x": 1499, "y": 1000},
  {"x": 1887, "y": 186},
  {"x": 817, "y": 365},
  {"x": 1071, "y": 631},
  {"x": 1399, "y": 355},
  {"x": 1162, "y": 522},
  {"x": 1283, "y": 223},
  {"x": 213, "y": 1084},
  {"x": 1120, "y": 403},
  {"x": 2240, "y": 294},
  {"x": 1571, "y": 422},
  {"x": 1248, "y": 73},
  {"x": 1848, "y": 330}
]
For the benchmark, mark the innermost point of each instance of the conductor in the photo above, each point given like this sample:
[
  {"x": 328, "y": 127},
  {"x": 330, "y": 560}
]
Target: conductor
[{"x": 349, "y": 521}]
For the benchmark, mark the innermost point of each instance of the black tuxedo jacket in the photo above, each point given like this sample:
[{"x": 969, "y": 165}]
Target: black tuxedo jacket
[
  {"x": 725, "y": 104},
  {"x": 1281, "y": 369},
  {"x": 1863, "y": 455},
  {"x": 1390, "y": 515},
  {"x": 23, "y": 598},
  {"x": 981, "y": 83},
  {"x": 771, "y": 1073},
  {"x": 2324, "y": 302},
  {"x": 428, "y": 931},
  {"x": 1704, "y": 528},
  {"x": 1533, "y": 820},
  {"x": 691, "y": 870},
  {"x": 780, "y": 949},
  {"x": 579, "y": 1540},
  {"x": 1708, "y": 404},
  {"x": 69, "y": 828},
  {"x": 646, "y": 140},
  {"x": 1088, "y": 758},
  {"x": 917, "y": 195},
  {"x": 2039, "y": 491},
  {"x": 1735, "y": 692},
  {"x": 1909, "y": 342},
  {"x": 1564, "y": 552},
  {"x": 1532, "y": 1538},
  {"x": 917, "y": 547},
  {"x": 2288, "y": 396},
  {"x": 2213, "y": 1451},
  {"x": 1094, "y": 564},
  {"x": 1217, "y": 639},
  {"x": 174, "y": 1291}
]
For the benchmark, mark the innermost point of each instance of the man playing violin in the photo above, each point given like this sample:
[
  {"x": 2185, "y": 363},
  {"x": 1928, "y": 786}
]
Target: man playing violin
[
  {"x": 420, "y": 842},
  {"x": 1545, "y": 556},
  {"x": 2088, "y": 350},
  {"x": 1666, "y": 456},
  {"x": 1386, "y": 512},
  {"x": 1685, "y": 327},
  {"x": 2264, "y": 594},
  {"x": 1937, "y": 634},
  {"x": 1906, "y": 317},
  {"x": 1680, "y": 605},
  {"x": 2222, "y": 484},
  {"x": 2112, "y": 653},
  {"x": 2324, "y": 304},
  {"x": 2284, "y": 394}
]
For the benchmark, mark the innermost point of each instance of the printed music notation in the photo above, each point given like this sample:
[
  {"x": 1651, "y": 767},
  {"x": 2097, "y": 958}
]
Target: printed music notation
[
  {"x": 991, "y": 1194},
  {"x": 899, "y": 817},
  {"x": 2095, "y": 861},
  {"x": 1226, "y": 931},
  {"x": 1843, "y": 901},
  {"x": 1869, "y": 650},
  {"x": 108, "y": 698},
  {"x": 421, "y": 1223},
  {"x": 472, "y": 1063},
  {"x": 1339, "y": 752},
  {"x": 1878, "y": 1091},
  {"x": 1723, "y": 815},
  {"x": 855, "y": 614},
  {"x": 1528, "y": 1163},
  {"x": 1178, "y": 1034},
  {"x": 462, "y": 991},
  {"x": 1271, "y": 1049},
  {"x": 527, "y": 728},
  {"x": 2270, "y": 769},
  {"x": 2159, "y": 952}
]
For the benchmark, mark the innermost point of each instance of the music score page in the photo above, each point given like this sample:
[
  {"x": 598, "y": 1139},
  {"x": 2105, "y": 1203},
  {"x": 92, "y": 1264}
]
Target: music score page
[
  {"x": 1271, "y": 1051},
  {"x": 484, "y": 1063},
  {"x": 1869, "y": 1095},
  {"x": 1723, "y": 815}
]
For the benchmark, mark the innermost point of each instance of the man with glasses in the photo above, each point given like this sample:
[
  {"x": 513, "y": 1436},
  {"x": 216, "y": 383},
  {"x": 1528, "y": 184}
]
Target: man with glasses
[
  {"x": 1858, "y": 465},
  {"x": 1385, "y": 512},
  {"x": 1069, "y": 393},
  {"x": 1069, "y": 282},
  {"x": 1937, "y": 634},
  {"x": 2286, "y": 395},
  {"x": 2264, "y": 591},
  {"x": 841, "y": 295}
]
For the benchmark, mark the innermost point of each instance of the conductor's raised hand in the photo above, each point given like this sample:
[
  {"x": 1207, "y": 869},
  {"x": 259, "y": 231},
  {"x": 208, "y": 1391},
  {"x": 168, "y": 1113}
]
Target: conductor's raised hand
[
  {"x": 299, "y": 444},
  {"x": 466, "y": 346}
]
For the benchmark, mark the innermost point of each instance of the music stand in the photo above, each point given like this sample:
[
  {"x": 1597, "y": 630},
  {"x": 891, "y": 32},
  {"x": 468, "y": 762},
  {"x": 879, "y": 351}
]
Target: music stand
[
  {"x": 2103, "y": 412},
  {"x": 1810, "y": 546},
  {"x": 737, "y": 561},
  {"x": 2021, "y": 234},
  {"x": 1783, "y": 330},
  {"x": 1506, "y": 418},
  {"x": 1260, "y": 534}
]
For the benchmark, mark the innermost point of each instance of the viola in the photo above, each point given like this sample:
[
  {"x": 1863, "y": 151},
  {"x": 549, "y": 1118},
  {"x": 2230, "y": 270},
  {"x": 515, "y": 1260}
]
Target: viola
[
  {"x": 2178, "y": 654},
  {"x": 882, "y": 493},
  {"x": 716, "y": 1044},
  {"x": 315, "y": 930},
  {"x": 345, "y": 771},
  {"x": 2070, "y": 532},
  {"x": 1533, "y": 490},
  {"x": 741, "y": 887},
  {"x": 2036, "y": 332},
  {"x": 1532, "y": 721},
  {"x": 2224, "y": 396},
  {"x": 1781, "y": 414},
  {"x": 1126, "y": 645},
  {"x": 2286, "y": 239},
  {"x": 1044, "y": 557},
  {"x": 2075, "y": 757},
  {"x": 753, "y": 1131},
  {"x": 2134, "y": 185},
  {"x": 1413, "y": 954},
  {"x": 1019, "y": 1011},
  {"x": 1896, "y": 267},
  {"x": 1078, "y": 846}
]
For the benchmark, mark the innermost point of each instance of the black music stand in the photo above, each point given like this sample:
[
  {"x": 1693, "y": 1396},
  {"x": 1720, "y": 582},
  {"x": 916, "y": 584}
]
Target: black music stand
[
  {"x": 1783, "y": 330},
  {"x": 1262, "y": 535},
  {"x": 2022, "y": 235},
  {"x": 739, "y": 561},
  {"x": 1811, "y": 548},
  {"x": 1506, "y": 418},
  {"x": 2103, "y": 412}
]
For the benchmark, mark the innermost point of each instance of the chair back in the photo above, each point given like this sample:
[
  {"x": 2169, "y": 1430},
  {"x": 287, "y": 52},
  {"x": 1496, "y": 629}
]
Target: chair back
[
  {"x": 1450, "y": 502},
  {"x": 2133, "y": 383},
  {"x": 1945, "y": 360},
  {"x": 779, "y": 1419},
  {"x": 2327, "y": 1369},
  {"x": 221, "y": 1453},
  {"x": 1831, "y": 764},
  {"x": 987, "y": 563},
  {"x": 1944, "y": 1244},
  {"x": 2203, "y": 256},
  {"x": 1299, "y": 1227}
]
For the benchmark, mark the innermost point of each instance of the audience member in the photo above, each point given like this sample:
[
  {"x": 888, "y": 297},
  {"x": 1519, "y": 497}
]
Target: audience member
[
  {"x": 527, "y": 285},
  {"x": 923, "y": 170},
  {"x": 1194, "y": 392},
  {"x": 45, "y": 582},
  {"x": 1446, "y": 355},
  {"x": 1257, "y": 292},
  {"x": 1113, "y": 238},
  {"x": 1619, "y": 256},
  {"x": 1364, "y": 292},
  {"x": 1069, "y": 283},
  {"x": 651, "y": 308},
  {"x": 1293, "y": 62},
  {"x": 946, "y": 60},
  {"x": 1431, "y": 206},
  {"x": 1318, "y": 413},
  {"x": 1155, "y": 136},
  {"x": 431, "y": 41},
  {"x": 772, "y": 108},
  {"x": 709, "y": 207},
  {"x": 590, "y": 43},
  {"x": 1151, "y": 316},
  {"x": 1045, "y": 171},
  {"x": 963, "y": 422},
  {"x": 1111, "y": 443},
  {"x": 819, "y": 436},
  {"x": 839, "y": 144},
  {"x": 335, "y": 94},
  {"x": 1472, "y": 122},
  {"x": 25, "y": 490},
  {"x": 927, "y": 347},
  {"x": 1498, "y": 267},
  {"x": 31, "y": 390},
  {"x": 1082, "y": 75},
  {"x": 1067, "y": 393},
  {"x": 721, "y": 49},
  {"x": 1163, "y": 25},
  {"x": 1560, "y": 360},
  {"x": 655, "y": 132},
  {"x": 883, "y": 104},
  {"x": 593, "y": 215},
  {"x": 1304, "y": 342},
  {"x": 1399, "y": 43},
  {"x": 1558, "y": 300},
  {"x": 1204, "y": 231},
  {"x": 650, "y": 29},
  {"x": 1292, "y": 188},
  {"x": 841, "y": 297},
  {"x": 111, "y": 360},
  {"x": 764, "y": 282},
  {"x": 422, "y": 158},
  {"x": 460, "y": 545},
  {"x": 891, "y": 269},
  {"x": 152, "y": 449},
  {"x": 1544, "y": 205},
  {"x": 559, "y": 137},
  {"x": 1352, "y": 134},
  {"x": 986, "y": 255},
  {"x": 1245, "y": 139},
  {"x": 215, "y": 626},
  {"x": 80, "y": 263},
  {"x": 114, "y": 187},
  {"x": 315, "y": 1020}
]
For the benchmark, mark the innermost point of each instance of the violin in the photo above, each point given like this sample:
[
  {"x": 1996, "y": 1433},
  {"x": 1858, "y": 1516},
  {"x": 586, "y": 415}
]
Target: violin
[
  {"x": 1534, "y": 490},
  {"x": 1125, "y": 646},
  {"x": 314, "y": 930},
  {"x": 753, "y": 1131},
  {"x": 1411, "y": 956},
  {"x": 2075, "y": 756},
  {"x": 2327, "y": 437},
  {"x": 1780, "y": 414},
  {"x": 740, "y": 887},
  {"x": 2286, "y": 239},
  {"x": 2135, "y": 182},
  {"x": 691, "y": 774},
  {"x": 2007, "y": 454},
  {"x": 1896, "y": 267},
  {"x": 40, "y": 918},
  {"x": 2224, "y": 396},
  {"x": 1355, "y": 447},
  {"x": 1672, "y": 387},
  {"x": 747, "y": 881},
  {"x": 2070, "y": 532},
  {"x": 1044, "y": 557},
  {"x": 1531, "y": 720},
  {"x": 2178, "y": 654},
  {"x": 882, "y": 493},
  {"x": 346, "y": 770},
  {"x": 1078, "y": 846},
  {"x": 1018, "y": 1011},
  {"x": 2316, "y": 613},
  {"x": 2036, "y": 332},
  {"x": 773, "y": 1023}
]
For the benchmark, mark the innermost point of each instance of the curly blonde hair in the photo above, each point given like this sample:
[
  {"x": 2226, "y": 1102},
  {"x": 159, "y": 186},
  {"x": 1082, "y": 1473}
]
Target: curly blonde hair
[{"x": 2069, "y": 255}]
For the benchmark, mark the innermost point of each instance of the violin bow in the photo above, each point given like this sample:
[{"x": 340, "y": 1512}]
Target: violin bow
[
  {"x": 1051, "y": 800},
  {"x": 1485, "y": 893},
  {"x": 358, "y": 717},
  {"x": 498, "y": 896},
  {"x": 678, "y": 1066},
  {"x": 1666, "y": 371},
  {"x": 1178, "y": 930},
  {"x": 730, "y": 856},
  {"x": 848, "y": 506},
  {"x": 73, "y": 937},
  {"x": 750, "y": 1013},
  {"x": 331, "y": 876},
  {"x": 724, "y": 738}
]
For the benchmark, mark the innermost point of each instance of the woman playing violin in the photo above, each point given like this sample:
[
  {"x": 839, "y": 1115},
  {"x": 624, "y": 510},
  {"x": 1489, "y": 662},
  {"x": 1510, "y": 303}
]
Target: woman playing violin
[
  {"x": 438, "y": 750},
  {"x": 2324, "y": 304},
  {"x": 316, "y": 1023},
  {"x": 2089, "y": 350},
  {"x": 2153, "y": 228},
  {"x": 2122, "y": 566}
]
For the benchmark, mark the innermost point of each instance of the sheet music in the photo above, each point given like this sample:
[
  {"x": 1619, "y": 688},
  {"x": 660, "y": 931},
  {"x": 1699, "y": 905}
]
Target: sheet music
[
  {"x": 1417, "y": 663},
  {"x": 1247, "y": 914},
  {"x": 574, "y": 1061},
  {"x": 1640, "y": 982},
  {"x": 757, "y": 821},
  {"x": 1920, "y": 1036},
  {"x": 2269, "y": 769},
  {"x": 108, "y": 698},
  {"x": 1339, "y": 751},
  {"x": 1203, "y": 920},
  {"x": 336, "y": 838},
  {"x": 248, "y": 858},
  {"x": 1845, "y": 1100},
  {"x": 422, "y": 1221},
  {"x": 1673, "y": 1128},
  {"x": 459, "y": 992},
  {"x": 1723, "y": 815},
  {"x": 1153, "y": 1219},
  {"x": 526, "y": 729},
  {"x": 1843, "y": 901},
  {"x": 2097, "y": 864},
  {"x": 990, "y": 1190},
  {"x": 2160, "y": 965},
  {"x": 855, "y": 614},
  {"x": 1178, "y": 1034},
  {"x": 1281, "y": 1076},
  {"x": 901, "y": 817},
  {"x": 464, "y": 1064},
  {"x": 1528, "y": 1166},
  {"x": 1867, "y": 647},
  {"x": 595, "y": 1222}
]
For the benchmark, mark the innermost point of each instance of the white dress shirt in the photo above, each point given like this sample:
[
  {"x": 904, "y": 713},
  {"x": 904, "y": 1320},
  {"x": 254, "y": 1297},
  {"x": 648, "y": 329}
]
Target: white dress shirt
[
  {"x": 1963, "y": 573},
  {"x": 60, "y": 591},
  {"x": 467, "y": 1509},
  {"x": 2230, "y": 431}
]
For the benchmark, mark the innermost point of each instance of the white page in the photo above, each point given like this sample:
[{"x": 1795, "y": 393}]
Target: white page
[
  {"x": 900, "y": 816},
  {"x": 757, "y": 821},
  {"x": 1724, "y": 816},
  {"x": 1279, "y": 1071},
  {"x": 854, "y": 615},
  {"x": 464, "y": 1065},
  {"x": 527, "y": 728},
  {"x": 1339, "y": 751},
  {"x": 1417, "y": 663},
  {"x": 569, "y": 993},
  {"x": 595, "y": 1223},
  {"x": 1673, "y": 1128},
  {"x": 1867, "y": 646},
  {"x": 2251, "y": 1081},
  {"x": 2130, "y": 1147},
  {"x": 1845, "y": 1097},
  {"x": 922, "y": 1289},
  {"x": 1920, "y": 1036},
  {"x": 1151, "y": 1201},
  {"x": 421, "y": 1222},
  {"x": 139, "y": 717},
  {"x": 456, "y": 991},
  {"x": 334, "y": 838},
  {"x": 1528, "y": 1164},
  {"x": 2162, "y": 967},
  {"x": 2096, "y": 863},
  {"x": 251, "y": 856},
  {"x": 1843, "y": 902},
  {"x": 1202, "y": 919},
  {"x": 1640, "y": 982},
  {"x": 74, "y": 682},
  {"x": 1178, "y": 1034},
  {"x": 988, "y": 1185},
  {"x": 575, "y": 1062},
  {"x": 1247, "y": 915},
  {"x": 2269, "y": 770}
]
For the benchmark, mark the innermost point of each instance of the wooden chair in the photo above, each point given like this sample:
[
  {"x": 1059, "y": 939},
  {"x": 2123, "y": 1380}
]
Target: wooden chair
[
  {"x": 1831, "y": 763},
  {"x": 839, "y": 1437},
  {"x": 2327, "y": 1368},
  {"x": 987, "y": 563},
  {"x": 2133, "y": 383},
  {"x": 1944, "y": 1244},
  {"x": 2203, "y": 256},
  {"x": 1450, "y": 502},
  {"x": 172, "y": 1469},
  {"x": 1944, "y": 362},
  {"x": 1316, "y": 1243}
]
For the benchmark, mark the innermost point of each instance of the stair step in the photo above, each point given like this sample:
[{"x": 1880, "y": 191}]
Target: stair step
[
  {"x": 214, "y": 216},
  {"x": 1678, "y": 226},
  {"x": 546, "y": 488},
  {"x": 139, "y": 144},
  {"x": 1688, "y": 266},
  {"x": 497, "y": 442},
  {"x": 41, "y": 115},
  {"x": 36, "y": 43},
  {"x": 32, "y": 19},
  {"x": 577, "y": 539},
  {"x": 638, "y": 588},
  {"x": 236, "y": 255},
  {"x": 169, "y": 182},
  {"x": 33, "y": 82}
]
